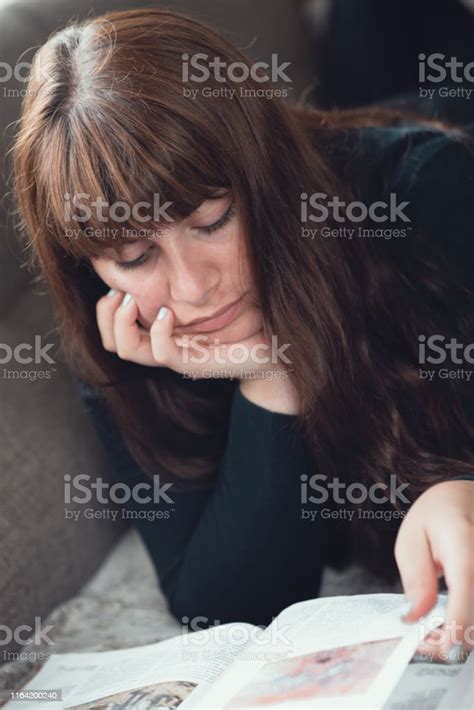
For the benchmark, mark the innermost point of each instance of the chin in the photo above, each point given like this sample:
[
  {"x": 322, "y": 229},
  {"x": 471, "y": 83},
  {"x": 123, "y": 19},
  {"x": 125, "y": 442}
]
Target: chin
[{"x": 244, "y": 326}]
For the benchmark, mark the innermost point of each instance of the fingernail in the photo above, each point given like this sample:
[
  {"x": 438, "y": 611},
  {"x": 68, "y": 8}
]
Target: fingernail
[
  {"x": 163, "y": 312},
  {"x": 455, "y": 653},
  {"x": 128, "y": 298},
  {"x": 112, "y": 292},
  {"x": 406, "y": 607}
]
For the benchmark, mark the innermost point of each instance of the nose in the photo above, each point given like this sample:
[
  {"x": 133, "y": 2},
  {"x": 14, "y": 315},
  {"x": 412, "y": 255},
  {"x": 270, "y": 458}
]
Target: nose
[{"x": 192, "y": 283}]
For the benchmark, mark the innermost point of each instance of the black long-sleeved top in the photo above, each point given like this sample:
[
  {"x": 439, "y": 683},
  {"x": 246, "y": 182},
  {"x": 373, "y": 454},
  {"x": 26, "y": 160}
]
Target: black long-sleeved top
[{"x": 241, "y": 551}]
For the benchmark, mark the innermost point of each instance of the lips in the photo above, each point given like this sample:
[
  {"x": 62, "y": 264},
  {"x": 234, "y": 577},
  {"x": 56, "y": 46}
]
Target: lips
[{"x": 218, "y": 320}]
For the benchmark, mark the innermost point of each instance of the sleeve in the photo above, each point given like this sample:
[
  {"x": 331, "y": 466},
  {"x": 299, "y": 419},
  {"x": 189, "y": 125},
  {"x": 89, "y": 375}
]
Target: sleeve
[
  {"x": 436, "y": 175},
  {"x": 242, "y": 550},
  {"x": 433, "y": 171},
  {"x": 430, "y": 173}
]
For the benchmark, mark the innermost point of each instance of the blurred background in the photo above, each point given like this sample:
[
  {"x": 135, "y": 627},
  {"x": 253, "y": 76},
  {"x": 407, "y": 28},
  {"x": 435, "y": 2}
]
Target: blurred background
[{"x": 343, "y": 53}]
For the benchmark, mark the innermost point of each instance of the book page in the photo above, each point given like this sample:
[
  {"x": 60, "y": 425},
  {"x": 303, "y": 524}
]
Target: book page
[
  {"x": 176, "y": 671},
  {"x": 434, "y": 686},
  {"x": 340, "y": 652}
]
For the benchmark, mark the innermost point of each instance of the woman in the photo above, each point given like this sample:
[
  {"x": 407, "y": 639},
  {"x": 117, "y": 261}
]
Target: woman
[{"x": 235, "y": 337}]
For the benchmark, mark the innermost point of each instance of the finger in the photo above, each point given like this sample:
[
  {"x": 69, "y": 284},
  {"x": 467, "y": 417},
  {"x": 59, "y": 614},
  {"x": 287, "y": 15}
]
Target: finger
[
  {"x": 131, "y": 342},
  {"x": 418, "y": 572},
  {"x": 105, "y": 313},
  {"x": 435, "y": 647},
  {"x": 429, "y": 648},
  {"x": 163, "y": 345},
  {"x": 452, "y": 641},
  {"x": 458, "y": 566}
]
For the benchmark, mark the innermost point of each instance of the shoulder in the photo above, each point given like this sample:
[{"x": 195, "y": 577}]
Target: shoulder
[
  {"x": 428, "y": 169},
  {"x": 399, "y": 157},
  {"x": 418, "y": 153}
]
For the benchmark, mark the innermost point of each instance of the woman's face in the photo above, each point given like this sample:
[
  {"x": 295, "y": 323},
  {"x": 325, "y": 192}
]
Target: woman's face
[{"x": 196, "y": 267}]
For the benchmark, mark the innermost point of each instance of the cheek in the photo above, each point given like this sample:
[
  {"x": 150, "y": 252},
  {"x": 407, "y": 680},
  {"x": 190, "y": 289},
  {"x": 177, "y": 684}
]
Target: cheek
[
  {"x": 109, "y": 274},
  {"x": 237, "y": 263},
  {"x": 150, "y": 296},
  {"x": 102, "y": 270},
  {"x": 147, "y": 293}
]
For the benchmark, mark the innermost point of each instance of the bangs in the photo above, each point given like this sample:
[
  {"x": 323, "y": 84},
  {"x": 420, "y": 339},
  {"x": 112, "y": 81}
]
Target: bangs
[
  {"x": 118, "y": 146},
  {"x": 118, "y": 180}
]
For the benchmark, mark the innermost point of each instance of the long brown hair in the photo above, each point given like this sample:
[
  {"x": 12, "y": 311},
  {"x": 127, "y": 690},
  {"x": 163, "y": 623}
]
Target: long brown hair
[{"x": 106, "y": 115}]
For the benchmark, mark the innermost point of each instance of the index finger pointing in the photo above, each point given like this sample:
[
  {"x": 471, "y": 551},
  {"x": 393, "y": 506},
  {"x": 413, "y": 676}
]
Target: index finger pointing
[{"x": 417, "y": 571}]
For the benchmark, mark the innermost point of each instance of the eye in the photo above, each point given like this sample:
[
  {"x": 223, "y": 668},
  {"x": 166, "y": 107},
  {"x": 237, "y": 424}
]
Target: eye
[
  {"x": 139, "y": 261},
  {"x": 221, "y": 222}
]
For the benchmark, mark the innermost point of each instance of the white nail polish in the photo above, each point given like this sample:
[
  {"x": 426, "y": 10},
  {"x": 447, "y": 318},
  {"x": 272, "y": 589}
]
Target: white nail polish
[
  {"x": 112, "y": 292},
  {"x": 163, "y": 312},
  {"x": 128, "y": 298}
]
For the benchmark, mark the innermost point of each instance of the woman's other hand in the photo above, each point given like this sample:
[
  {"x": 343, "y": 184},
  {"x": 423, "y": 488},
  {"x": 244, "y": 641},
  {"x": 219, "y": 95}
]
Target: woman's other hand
[{"x": 436, "y": 539}]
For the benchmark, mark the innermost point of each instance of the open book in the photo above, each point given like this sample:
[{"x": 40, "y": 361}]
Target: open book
[{"x": 339, "y": 652}]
